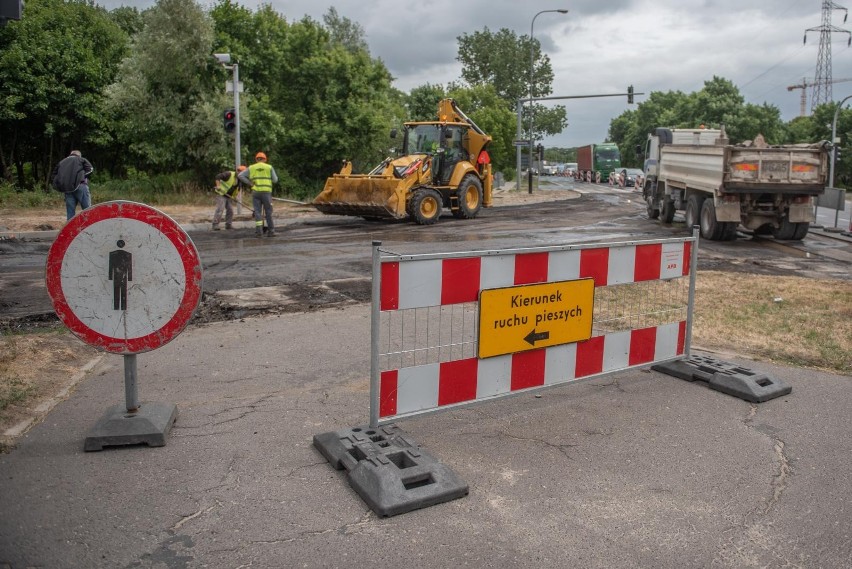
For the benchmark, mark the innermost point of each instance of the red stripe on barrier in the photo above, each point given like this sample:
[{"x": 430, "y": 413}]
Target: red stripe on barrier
[
  {"x": 531, "y": 268},
  {"x": 460, "y": 280},
  {"x": 643, "y": 344},
  {"x": 687, "y": 257},
  {"x": 390, "y": 286},
  {"x": 594, "y": 263},
  {"x": 457, "y": 381},
  {"x": 681, "y": 336},
  {"x": 528, "y": 369},
  {"x": 388, "y": 393},
  {"x": 590, "y": 357},
  {"x": 648, "y": 261}
]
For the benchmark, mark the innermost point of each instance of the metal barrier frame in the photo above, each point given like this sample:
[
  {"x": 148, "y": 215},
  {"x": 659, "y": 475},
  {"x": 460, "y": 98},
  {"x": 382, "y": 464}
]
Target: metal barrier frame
[{"x": 376, "y": 313}]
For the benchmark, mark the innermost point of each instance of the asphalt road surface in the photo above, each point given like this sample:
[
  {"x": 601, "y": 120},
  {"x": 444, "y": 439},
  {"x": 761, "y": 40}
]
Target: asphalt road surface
[{"x": 320, "y": 260}]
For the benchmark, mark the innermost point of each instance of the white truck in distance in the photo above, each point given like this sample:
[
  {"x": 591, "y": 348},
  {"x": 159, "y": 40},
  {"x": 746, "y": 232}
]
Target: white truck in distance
[{"x": 768, "y": 189}]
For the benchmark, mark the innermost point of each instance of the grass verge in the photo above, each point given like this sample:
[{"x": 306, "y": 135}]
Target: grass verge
[{"x": 792, "y": 320}]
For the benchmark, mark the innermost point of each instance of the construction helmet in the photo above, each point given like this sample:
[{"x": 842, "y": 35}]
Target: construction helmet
[
  {"x": 240, "y": 168},
  {"x": 260, "y": 156}
]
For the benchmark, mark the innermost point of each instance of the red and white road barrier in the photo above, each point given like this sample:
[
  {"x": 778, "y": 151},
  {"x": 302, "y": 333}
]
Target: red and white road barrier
[{"x": 415, "y": 282}]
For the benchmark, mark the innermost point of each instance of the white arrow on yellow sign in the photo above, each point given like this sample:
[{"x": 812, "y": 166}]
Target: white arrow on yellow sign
[{"x": 529, "y": 317}]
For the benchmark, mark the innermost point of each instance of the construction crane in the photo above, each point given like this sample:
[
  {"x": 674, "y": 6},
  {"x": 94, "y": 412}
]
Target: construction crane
[{"x": 804, "y": 85}]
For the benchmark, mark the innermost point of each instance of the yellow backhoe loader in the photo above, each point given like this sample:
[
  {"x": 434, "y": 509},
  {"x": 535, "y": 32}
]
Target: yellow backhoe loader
[{"x": 444, "y": 164}]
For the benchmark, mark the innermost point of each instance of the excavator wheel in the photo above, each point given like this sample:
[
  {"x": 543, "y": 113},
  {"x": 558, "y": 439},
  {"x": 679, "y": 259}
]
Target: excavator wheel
[
  {"x": 470, "y": 198},
  {"x": 426, "y": 206}
]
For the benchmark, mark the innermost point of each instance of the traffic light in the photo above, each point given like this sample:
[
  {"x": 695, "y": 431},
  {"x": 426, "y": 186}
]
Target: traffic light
[
  {"x": 837, "y": 154},
  {"x": 229, "y": 118},
  {"x": 539, "y": 149},
  {"x": 10, "y": 10},
  {"x": 630, "y": 94}
]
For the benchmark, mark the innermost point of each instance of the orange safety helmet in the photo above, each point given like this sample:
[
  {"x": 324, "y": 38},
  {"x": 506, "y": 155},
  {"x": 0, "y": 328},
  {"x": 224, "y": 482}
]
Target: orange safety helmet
[
  {"x": 260, "y": 156},
  {"x": 240, "y": 168}
]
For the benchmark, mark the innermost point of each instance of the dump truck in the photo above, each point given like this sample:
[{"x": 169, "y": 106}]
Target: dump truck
[
  {"x": 444, "y": 164},
  {"x": 768, "y": 189},
  {"x": 595, "y": 162}
]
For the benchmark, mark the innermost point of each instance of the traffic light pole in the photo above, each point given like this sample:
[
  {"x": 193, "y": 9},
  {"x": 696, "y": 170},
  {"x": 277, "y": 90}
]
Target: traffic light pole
[
  {"x": 834, "y": 145},
  {"x": 236, "y": 116},
  {"x": 630, "y": 93},
  {"x": 237, "y": 160}
]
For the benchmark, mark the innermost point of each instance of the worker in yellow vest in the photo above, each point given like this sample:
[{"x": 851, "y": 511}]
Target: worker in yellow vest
[
  {"x": 227, "y": 186},
  {"x": 259, "y": 177}
]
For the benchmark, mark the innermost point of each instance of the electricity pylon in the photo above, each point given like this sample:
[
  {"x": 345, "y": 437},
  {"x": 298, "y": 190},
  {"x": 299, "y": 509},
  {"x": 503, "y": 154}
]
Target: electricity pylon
[{"x": 822, "y": 79}]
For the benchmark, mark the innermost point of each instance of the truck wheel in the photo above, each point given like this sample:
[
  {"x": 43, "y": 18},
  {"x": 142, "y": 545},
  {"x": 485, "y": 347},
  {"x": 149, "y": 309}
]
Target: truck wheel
[
  {"x": 426, "y": 206},
  {"x": 710, "y": 228},
  {"x": 786, "y": 231},
  {"x": 653, "y": 212},
  {"x": 693, "y": 211},
  {"x": 668, "y": 211},
  {"x": 470, "y": 198},
  {"x": 801, "y": 231},
  {"x": 729, "y": 230}
]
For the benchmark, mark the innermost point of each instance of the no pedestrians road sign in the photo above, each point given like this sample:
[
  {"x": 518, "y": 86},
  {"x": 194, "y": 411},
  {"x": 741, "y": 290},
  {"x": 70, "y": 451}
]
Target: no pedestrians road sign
[{"x": 124, "y": 277}]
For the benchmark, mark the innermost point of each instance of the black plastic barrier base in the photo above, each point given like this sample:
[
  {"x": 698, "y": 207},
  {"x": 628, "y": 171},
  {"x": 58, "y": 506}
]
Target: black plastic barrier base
[
  {"x": 390, "y": 471},
  {"x": 726, "y": 377}
]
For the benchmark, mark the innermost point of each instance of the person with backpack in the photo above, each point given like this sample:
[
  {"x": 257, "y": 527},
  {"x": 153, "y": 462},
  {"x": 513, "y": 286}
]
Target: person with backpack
[{"x": 71, "y": 177}]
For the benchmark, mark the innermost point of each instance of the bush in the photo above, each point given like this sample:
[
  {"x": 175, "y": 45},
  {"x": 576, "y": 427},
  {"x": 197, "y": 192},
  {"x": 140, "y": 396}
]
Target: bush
[
  {"x": 12, "y": 197},
  {"x": 163, "y": 189}
]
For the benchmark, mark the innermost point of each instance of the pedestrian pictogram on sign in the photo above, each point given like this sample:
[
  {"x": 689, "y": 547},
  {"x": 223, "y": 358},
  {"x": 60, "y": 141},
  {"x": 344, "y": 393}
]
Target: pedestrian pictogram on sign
[
  {"x": 124, "y": 277},
  {"x": 529, "y": 317}
]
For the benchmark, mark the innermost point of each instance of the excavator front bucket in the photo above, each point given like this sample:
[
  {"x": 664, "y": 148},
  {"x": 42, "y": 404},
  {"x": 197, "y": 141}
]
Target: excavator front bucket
[{"x": 362, "y": 195}]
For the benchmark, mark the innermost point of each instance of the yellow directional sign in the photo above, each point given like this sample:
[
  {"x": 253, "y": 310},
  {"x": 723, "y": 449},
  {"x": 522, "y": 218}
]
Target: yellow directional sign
[{"x": 529, "y": 317}]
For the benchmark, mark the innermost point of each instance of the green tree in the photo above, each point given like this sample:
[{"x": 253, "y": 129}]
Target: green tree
[
  {"x": 128, "y": 19},
  {"x": 422, "y": 102},
  {"x": 502, "y": 59},
  {"x": 344, "y": 32},
  {"x": 165, "y": 110},
  {"x": 631, "y": 128},
  {"x": 719, "y": 102},
  {"x": 53, "y": 77},
  {"x": 817, "y": 127}
]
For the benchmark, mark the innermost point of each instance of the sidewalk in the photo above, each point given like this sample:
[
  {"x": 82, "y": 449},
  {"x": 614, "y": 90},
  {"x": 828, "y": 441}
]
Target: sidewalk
[{"x": 636, "y": 469}]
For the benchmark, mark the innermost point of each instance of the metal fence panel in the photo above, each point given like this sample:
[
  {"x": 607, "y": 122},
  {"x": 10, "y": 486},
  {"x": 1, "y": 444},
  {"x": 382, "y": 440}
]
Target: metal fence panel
[{"x": 426, "y": 317}]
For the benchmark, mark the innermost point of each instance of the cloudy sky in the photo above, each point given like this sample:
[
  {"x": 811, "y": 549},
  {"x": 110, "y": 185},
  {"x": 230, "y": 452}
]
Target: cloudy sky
[{"x": 602, "y": 46}]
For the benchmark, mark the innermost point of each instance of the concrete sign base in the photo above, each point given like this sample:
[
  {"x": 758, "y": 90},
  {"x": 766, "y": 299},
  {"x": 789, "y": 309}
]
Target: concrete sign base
[
  {"x": 389, "y": 470},
  {"x": 726, "y": 377},
  {"x": 148, "y": 425}
]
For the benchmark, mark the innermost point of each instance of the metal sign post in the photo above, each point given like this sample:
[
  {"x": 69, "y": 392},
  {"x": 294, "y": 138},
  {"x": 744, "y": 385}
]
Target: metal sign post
[{"x": 125, "y": 278}]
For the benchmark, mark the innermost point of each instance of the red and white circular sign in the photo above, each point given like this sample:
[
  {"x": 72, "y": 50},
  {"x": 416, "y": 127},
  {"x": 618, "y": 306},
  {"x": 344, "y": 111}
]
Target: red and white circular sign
[{"x": 124, "y": 277}]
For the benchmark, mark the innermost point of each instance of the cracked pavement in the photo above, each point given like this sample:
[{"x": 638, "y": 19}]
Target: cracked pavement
[{"x": 635, "y": 469}]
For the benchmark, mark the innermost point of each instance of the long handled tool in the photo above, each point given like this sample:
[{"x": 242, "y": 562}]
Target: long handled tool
[{"x": 289, "y": 201}]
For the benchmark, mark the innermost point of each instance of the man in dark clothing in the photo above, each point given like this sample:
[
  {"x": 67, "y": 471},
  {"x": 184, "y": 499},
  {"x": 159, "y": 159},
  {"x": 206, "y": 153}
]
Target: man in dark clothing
[{"x": 71, "y": 178}]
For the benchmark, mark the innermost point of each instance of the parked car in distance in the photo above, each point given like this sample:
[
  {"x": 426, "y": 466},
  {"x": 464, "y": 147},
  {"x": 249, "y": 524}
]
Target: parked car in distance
[{"x": 626, "y": 177}]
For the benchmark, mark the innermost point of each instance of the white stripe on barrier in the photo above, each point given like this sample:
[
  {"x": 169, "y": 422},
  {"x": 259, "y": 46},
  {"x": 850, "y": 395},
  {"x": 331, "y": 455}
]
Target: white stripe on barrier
[{"x": 563, "y": 266}]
